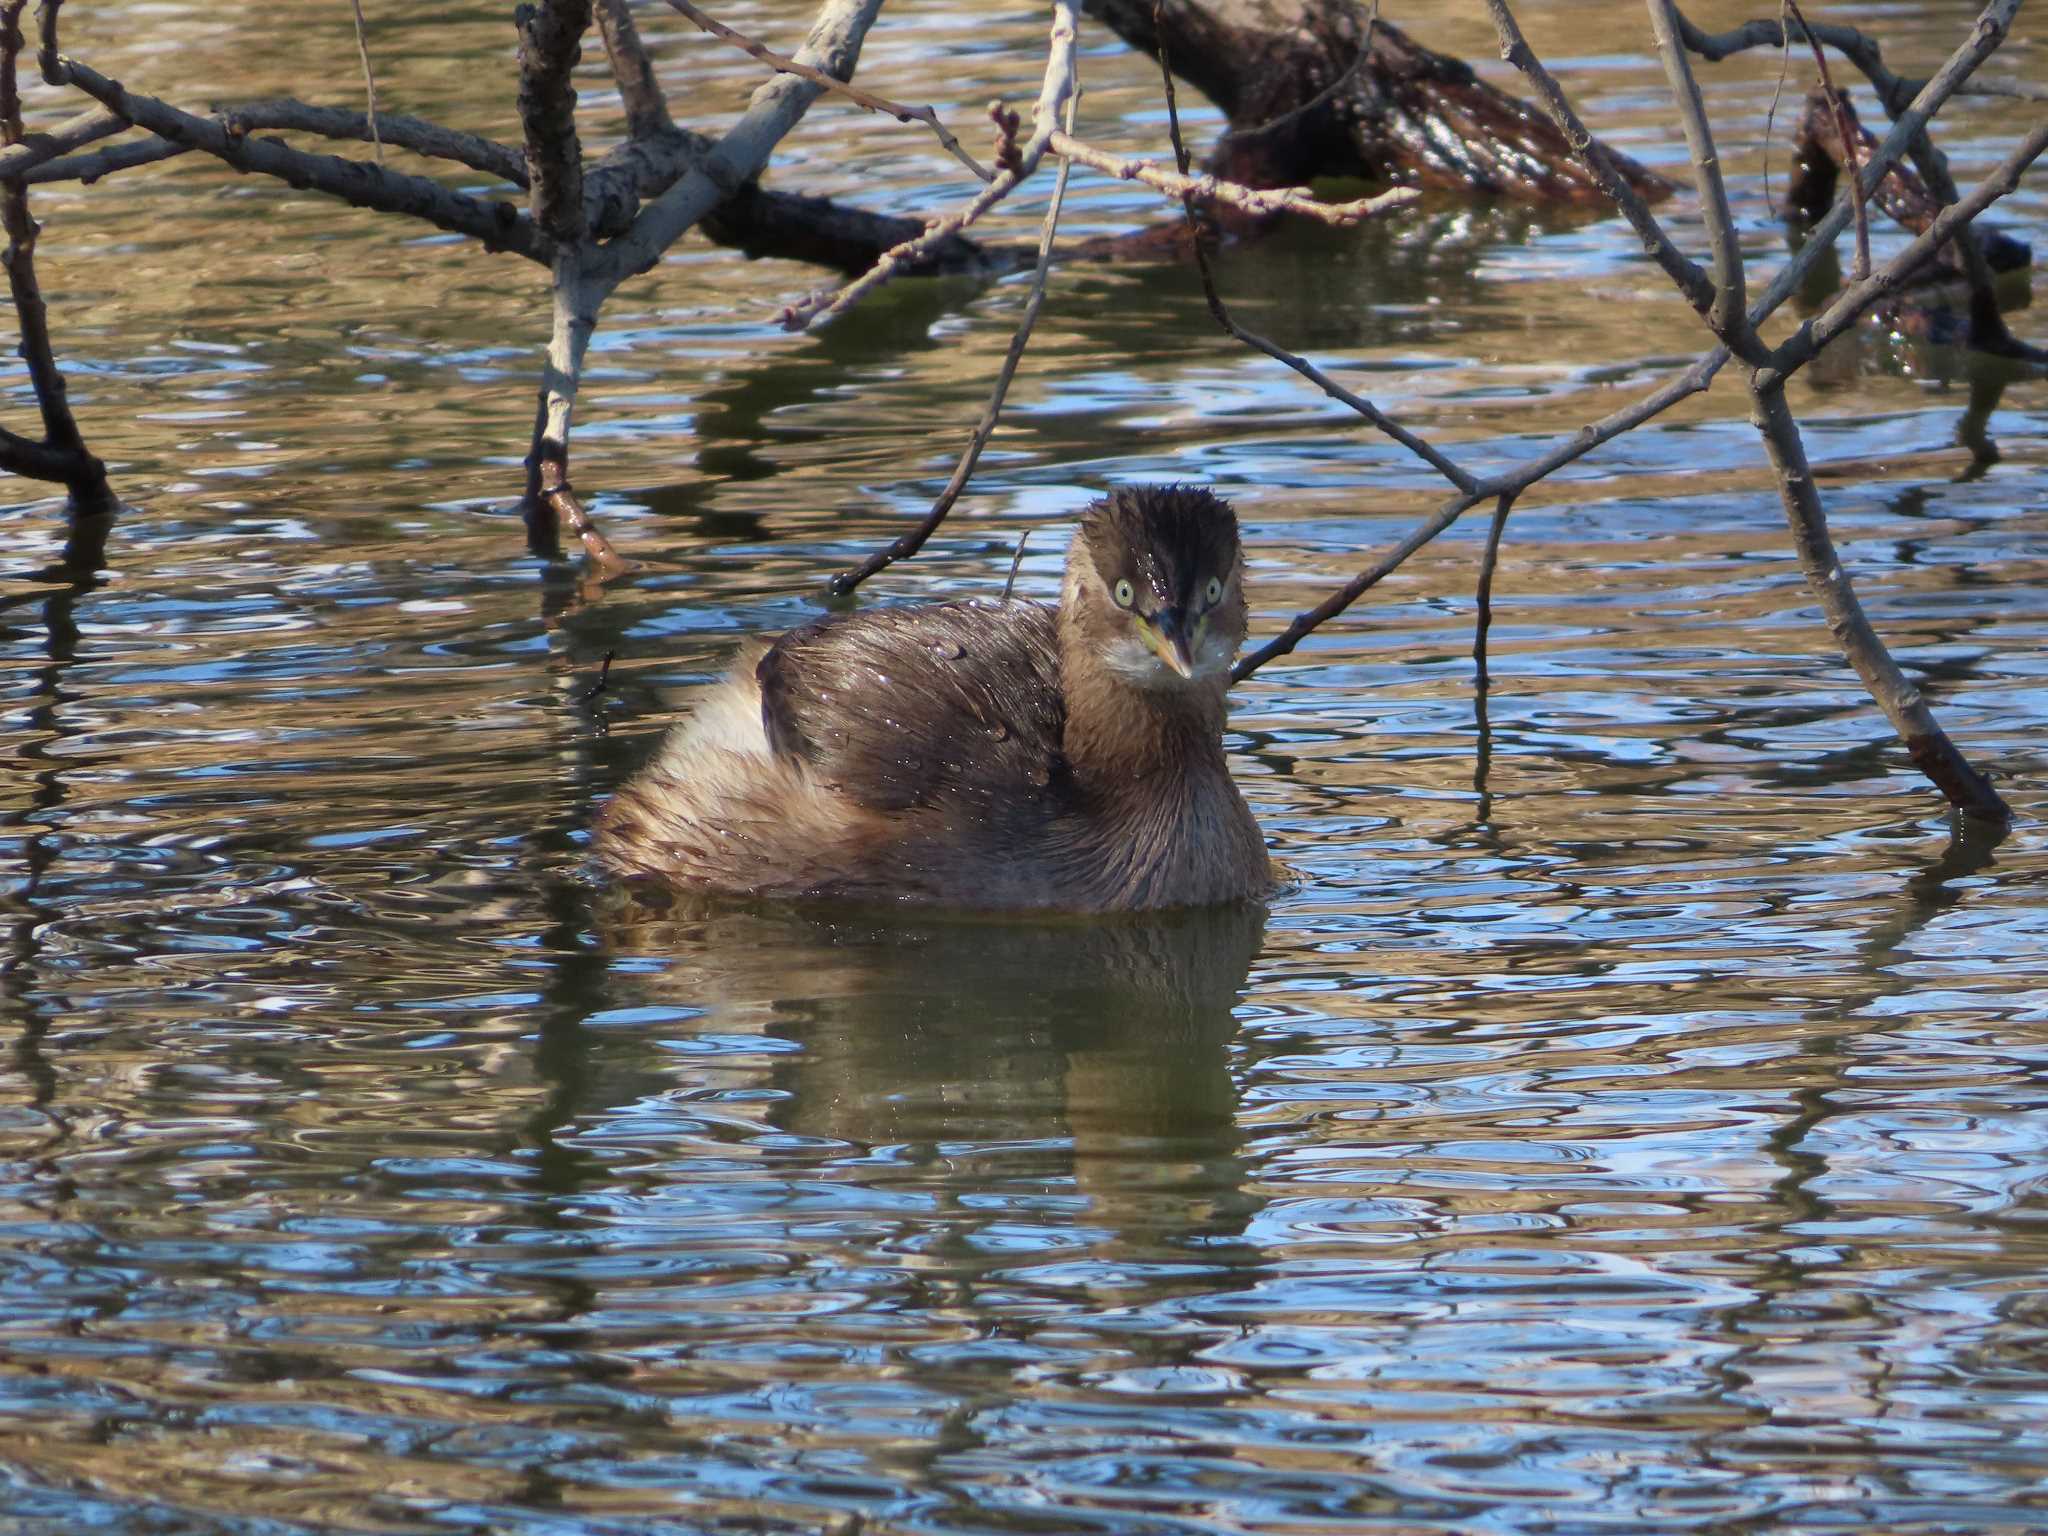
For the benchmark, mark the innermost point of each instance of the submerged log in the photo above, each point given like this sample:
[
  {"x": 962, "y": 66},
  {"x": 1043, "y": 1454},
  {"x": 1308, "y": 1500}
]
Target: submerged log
[{"x": 1316, "y": 88}]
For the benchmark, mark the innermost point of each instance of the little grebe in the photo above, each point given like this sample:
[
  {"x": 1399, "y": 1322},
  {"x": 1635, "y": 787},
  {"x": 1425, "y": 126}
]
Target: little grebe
[{"x": 979, "y": 755}]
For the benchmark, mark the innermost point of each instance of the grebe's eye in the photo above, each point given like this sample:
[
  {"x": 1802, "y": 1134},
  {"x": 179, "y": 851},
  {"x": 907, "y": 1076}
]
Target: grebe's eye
[
  {"x": 1213, "y": 593},
  {"x": 1126, "y": 594}
]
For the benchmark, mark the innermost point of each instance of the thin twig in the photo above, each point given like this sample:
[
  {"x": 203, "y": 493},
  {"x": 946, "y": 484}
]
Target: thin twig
[
  {"x": 1015, "y": 165},
  {"x": 1482, "y": 623},
  {"x": 1261, "y": 202},
  {"x": 1692, "y": 381},
  {"x": 1017, "y": 563},
  {"x": 1692, "y": 282},
  {"x": 369, "y": 77},
  {"x": 1846, "y": 131},
  {"x": 911, "y": 542},
  {"x": 1727, "y": 302},
  {"x": 1777, "y": 94},
  {"x": 860, "y": 98},
  {"x": 1372, "y": 413}
]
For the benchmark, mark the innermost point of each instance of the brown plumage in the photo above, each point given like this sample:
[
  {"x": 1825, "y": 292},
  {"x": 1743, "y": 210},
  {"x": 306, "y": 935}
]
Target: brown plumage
[{"x": 1008, "y": 755}]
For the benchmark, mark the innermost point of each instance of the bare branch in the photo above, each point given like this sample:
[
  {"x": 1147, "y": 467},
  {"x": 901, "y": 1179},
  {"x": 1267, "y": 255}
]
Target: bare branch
[
  {"x": 833, "y": 45},
  {"x": 95, "y": 163},
  {"x": 1591, "y": 153},
  {"x": 62, "y": 454},
  {"x": 1301, "y": 365},
  {"x": 74, "y": 133},
  {"x": 1855, "y": 301},
  {"x": 1694, "y": 380},
  {"x": 1724, "y": 312},
  {"x": 911, "y": 542},
  {"x": 1259, "y": 202},
  {"x": 550, "y": 35},
  {"x": 498, "y": 225},
  {"x": 860, "y": 98},
  {"x": 1482, "y": 623},
  {"x": 646, "y": 106},
  {"x": 415, "y": 134},
  {"x": 1928, "y": 745},
  {"x": 1016, "y": 165}
]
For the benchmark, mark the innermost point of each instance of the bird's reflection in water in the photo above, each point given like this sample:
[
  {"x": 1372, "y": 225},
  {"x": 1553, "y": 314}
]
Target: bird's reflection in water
[{"x": 988, "y": 1056}]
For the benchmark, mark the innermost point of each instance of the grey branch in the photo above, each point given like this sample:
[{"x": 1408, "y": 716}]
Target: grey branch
[
  {"x": 1018, "y": 165},
  {"x": 1691, "y": 281},
  {"x": 1257, "y": 201},
  {"x": 861, "y": 98},
  {"x": 913, "y": 541},
  {"x": 498, "y": 225},
  {"x": 833, "y": 46},
  {"x": 640, "y": 93},
  {"x": 1724, "y": 311}
]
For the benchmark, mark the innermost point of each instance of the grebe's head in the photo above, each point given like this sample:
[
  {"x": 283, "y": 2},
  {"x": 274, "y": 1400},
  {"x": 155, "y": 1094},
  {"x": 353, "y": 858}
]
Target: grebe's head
[{"x": 1154, "y": 586}]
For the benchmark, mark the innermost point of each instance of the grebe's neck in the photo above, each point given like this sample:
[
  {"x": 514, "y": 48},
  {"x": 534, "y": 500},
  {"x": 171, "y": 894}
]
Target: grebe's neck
[{"x": 1123, "y": 737}]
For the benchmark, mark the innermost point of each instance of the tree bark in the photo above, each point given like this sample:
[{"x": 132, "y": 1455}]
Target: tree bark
[{"x": 1309, "y": 94}]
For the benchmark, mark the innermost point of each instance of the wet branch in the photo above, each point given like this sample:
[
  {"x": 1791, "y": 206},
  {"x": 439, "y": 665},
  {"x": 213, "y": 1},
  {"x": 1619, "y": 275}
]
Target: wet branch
[
  {"x": 61, "y": 455},
  {"x": 1928, "y": 745}
]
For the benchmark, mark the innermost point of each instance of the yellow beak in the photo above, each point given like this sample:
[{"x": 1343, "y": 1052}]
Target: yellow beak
[{"x": 1166, "y": 635}]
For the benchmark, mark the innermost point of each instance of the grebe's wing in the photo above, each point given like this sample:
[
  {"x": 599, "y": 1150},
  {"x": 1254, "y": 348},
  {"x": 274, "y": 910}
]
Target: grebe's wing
[{"x": 920, "y": 706}]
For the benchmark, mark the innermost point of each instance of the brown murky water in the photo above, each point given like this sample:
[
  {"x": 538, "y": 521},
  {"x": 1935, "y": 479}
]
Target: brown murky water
[{"x": 1651, "y": 1135}]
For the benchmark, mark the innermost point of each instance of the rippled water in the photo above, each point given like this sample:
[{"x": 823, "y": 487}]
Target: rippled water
[{"x": 1633, "y": 1120}]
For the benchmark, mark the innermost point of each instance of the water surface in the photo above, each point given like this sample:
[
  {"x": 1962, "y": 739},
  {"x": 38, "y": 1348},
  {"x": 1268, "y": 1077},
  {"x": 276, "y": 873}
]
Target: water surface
[{"x": 1632, "y": 1120}]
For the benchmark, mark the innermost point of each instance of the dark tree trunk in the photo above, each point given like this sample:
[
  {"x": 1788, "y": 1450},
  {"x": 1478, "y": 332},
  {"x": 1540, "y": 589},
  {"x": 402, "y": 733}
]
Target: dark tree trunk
[{"x": 1303, "y": 103}]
